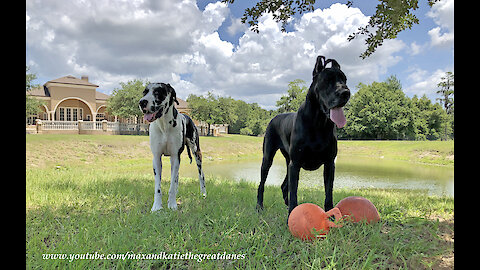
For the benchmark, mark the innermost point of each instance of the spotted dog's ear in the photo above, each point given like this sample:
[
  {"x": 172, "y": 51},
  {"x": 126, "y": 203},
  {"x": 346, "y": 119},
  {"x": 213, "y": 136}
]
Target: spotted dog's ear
[
  {"x": 319, "y": 66},
  {"x": 173, "y": 95},
  {"x": 334, "y": 63}
]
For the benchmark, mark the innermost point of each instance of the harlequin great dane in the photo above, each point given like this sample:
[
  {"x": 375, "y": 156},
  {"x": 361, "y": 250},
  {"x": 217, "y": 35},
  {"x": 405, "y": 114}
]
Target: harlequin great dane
[
  {"x": 170, "y": 132},
  {"x": 307, "y": 138}
]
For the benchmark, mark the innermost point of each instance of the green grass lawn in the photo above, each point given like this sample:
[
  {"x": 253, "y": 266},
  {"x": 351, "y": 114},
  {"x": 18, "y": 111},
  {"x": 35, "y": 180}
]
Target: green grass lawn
[{"x": 88, "y": 194}]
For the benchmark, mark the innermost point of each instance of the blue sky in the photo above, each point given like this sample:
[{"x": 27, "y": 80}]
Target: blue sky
[{"x": 200, "y": 46}]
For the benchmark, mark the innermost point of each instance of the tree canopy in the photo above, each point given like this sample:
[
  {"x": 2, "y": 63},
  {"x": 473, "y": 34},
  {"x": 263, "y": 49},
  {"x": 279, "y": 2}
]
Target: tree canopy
[
  {"x": 296, "y": 94},
  {"x": 391, "y": 17},
  {"x": 124, "y": 100},
  {"x": 382, "y": 111},
  {"x": 32, "y": 105},
  {"x": 244, "y": 118},
  {"x": 377, "y": 111}
]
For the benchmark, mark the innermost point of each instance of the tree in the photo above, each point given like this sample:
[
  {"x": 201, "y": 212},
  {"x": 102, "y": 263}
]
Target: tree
[
  {"x": 447, "y": 92},
  {"x": 252, "y": 119},
  {"x": 32, "y": 105},
  {"x": 212, "y": 109},
  {"x": 297, "y": 92},
  {"x": 446, "y": 98},
  {"x": 379, "y": 111},
  {"x": 242, "y": 110},
  {"x": 124, "y": 100},
  {"x": 429, "y": 119},
  {"x": 226, "y": 110},
  {"x": 383, "y": 111},
  {"x": 202, "y": 108},
  {"x": 258, "y": 119},
  {"x": 391, "y": 17}
]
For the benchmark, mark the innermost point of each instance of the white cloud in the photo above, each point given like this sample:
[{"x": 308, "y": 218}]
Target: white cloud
[
  {"x": 175, "y": 42},
  {"x": 236, "y": 26},
  {"x": 415, "y": 48},
  {"x": 442, "y": 14},
  {"x": 213, "y": 16},
  {"x": 440, "y": 40},
  {"x": 261, "y": 66},
  {"x": 424, "y": 82}
]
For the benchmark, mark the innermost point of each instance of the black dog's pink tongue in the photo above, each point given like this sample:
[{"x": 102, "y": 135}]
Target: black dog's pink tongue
[
  {"x": 149, "y": 117},
  {"x": 337, "y": 116}
]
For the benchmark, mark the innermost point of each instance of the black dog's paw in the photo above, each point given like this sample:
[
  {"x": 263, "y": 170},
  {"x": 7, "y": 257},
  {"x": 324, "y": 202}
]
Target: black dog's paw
[
  {"x": 328, "y": 206},
  {"x": 288, "y": 218},
  {"x": 259, "y": 208}
]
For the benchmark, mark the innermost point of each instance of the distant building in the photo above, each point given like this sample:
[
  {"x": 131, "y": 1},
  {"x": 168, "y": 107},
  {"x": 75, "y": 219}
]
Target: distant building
[
  {"x": 72, "y": 99},
  {"x": 69, "y": 99}
]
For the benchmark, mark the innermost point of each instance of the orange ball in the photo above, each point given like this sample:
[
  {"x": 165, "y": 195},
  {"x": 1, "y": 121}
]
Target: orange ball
[
  {"x": 356, "y": 208},
  {"x": 308, "y": 216}
]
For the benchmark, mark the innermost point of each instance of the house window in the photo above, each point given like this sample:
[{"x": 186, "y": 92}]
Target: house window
[
  {"x": 62, "y": 114},
  {"x": 100, "y": 116},
  {"x": 69, "y": 114},
  {"x": 75, "y": 114}
]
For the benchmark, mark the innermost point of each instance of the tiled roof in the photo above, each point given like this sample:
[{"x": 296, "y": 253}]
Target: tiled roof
[
  {"x": 182, "y": 104},
  {"x": 42, "y": 91},
  {"x": 72, "y": 80},
  {"x": 100, "y": 95},
  {"x": 39, "y": 92}
]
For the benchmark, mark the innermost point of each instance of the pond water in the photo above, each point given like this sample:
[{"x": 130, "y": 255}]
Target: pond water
[{"x": 351, "y": 172}]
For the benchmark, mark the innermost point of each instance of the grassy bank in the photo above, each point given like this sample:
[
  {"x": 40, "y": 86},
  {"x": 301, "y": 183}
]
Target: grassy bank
[
  {"x": 47, "y": 150},
  {"x": 87, "y": 194}
]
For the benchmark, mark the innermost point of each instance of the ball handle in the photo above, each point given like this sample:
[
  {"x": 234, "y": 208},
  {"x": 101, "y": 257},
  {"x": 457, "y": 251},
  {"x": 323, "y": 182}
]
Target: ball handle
[{"x": 338, "y": 216}]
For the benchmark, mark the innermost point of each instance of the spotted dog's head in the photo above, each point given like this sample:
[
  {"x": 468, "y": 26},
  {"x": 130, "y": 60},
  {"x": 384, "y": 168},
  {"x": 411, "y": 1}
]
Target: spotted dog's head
[
  {"x": 156, "y": 101},
  {"x": 330, "y": 89}
]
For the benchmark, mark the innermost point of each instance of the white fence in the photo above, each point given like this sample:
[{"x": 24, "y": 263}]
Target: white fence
[
  {"x": 90, "y": 127},
  {"x": 60, "y": 125},
  {"x": 104, "y": 127}
]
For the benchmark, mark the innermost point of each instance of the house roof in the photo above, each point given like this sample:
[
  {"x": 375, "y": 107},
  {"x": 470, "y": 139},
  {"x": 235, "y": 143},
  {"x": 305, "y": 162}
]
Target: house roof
[
  {"x": 182, "y": 104},
  {"x": 40, "y": 91},
  {"x": 72, "y": 80},
  {"x": 43, "y": 91},
  {"x": 100, "y": 95}
]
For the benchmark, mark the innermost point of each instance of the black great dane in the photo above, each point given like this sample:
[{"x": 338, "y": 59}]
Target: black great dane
[{"x": 307, "y": 138}]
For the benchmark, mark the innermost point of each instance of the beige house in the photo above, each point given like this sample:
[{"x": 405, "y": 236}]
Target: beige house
[
  {"x": 67, "y": 100},
  {"x": 72, "y": 99}
]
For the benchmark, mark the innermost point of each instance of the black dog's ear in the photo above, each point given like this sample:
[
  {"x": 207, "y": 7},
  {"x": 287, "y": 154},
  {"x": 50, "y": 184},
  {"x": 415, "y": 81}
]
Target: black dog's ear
[
  {"x": 173, "y": 95},
  {"x": 334, "y": 63},
  {"x": 319, "y": 66}
]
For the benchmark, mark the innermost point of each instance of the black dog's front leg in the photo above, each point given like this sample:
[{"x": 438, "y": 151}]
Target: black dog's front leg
[
  {"x": 328, "y": 176},
  {"x": 293, "y": 172}
]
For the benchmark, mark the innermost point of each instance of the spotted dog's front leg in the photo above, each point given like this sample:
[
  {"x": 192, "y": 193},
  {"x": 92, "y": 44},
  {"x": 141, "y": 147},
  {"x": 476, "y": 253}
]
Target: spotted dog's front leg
[
  {"x": 172, "y": 193},
  {"x": 157, "y": 172}
]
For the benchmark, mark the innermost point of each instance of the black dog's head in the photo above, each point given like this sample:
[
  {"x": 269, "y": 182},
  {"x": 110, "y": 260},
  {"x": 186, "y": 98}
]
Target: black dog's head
[
  {"x": 330, "y": 89},
  {"x": 157, "y": 98}
]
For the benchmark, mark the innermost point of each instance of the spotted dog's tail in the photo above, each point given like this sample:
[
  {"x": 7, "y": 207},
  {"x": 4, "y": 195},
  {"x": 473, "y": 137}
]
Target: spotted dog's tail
[
  {"x": 189, "y": 154},
  {"x": 192, "y": 139}
]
